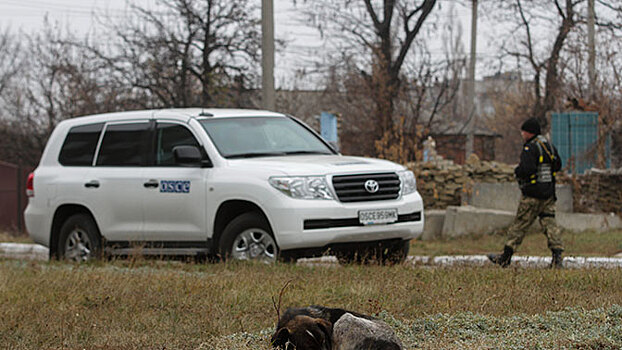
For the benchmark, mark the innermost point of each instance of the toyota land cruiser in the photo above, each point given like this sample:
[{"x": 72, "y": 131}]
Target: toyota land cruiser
[{"x": 240, "y": 184}]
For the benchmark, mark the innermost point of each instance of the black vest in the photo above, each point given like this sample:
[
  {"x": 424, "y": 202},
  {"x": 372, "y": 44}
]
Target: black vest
[{"x": 540, "y": 185}]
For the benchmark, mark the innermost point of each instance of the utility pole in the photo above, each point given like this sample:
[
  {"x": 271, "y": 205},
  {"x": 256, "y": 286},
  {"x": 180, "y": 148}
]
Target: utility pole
[
  {"x": 591, "y": 71},
  {"x": 591, "y": 61},
  {"x": 470, "y": 93},
  {"x": 267, "y": 54}
]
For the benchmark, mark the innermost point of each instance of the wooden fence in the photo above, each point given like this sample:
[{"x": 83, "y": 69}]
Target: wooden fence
[{"x": 13, "y": 199}]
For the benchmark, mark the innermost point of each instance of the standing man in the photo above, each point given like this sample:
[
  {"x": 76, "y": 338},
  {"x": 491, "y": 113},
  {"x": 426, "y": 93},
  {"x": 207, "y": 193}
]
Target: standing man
[{"x": 539, "y": 162}]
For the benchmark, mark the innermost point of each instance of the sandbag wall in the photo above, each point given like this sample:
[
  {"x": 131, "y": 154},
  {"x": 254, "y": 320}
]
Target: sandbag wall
[
  {"x": 442, "y": 184},
  {"x": 598, "y": 192}
]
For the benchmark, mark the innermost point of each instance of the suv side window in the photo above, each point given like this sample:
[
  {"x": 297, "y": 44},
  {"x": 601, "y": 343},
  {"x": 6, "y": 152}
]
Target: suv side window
[
  {"x": 168, "y": 136},
  {"x": 80, "y": 144},
  {"x": 125, "y": 145}
]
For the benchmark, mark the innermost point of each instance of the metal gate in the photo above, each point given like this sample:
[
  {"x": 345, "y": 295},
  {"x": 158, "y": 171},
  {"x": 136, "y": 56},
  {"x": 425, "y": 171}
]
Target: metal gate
[{"x": 575, "y": 135}]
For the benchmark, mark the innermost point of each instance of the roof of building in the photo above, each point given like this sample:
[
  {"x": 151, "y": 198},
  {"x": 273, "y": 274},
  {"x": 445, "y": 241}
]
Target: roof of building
[{"x": 458, "y": 129}]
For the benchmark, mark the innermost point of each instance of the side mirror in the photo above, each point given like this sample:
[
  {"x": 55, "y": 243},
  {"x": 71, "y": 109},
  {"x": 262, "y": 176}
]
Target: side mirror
[{"x": 189, "y": 155}]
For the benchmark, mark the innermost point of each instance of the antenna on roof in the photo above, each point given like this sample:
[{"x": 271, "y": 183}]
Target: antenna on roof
[{"x": 205, "y": 114}]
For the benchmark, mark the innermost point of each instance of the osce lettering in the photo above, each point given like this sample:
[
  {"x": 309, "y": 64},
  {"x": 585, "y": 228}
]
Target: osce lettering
[{"x": 175, "y": 186}]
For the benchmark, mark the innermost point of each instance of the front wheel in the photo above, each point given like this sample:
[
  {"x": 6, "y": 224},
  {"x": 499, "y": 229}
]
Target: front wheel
[
  {"x": 79, "y": 239},
  {"x": 248, "y": 237}
]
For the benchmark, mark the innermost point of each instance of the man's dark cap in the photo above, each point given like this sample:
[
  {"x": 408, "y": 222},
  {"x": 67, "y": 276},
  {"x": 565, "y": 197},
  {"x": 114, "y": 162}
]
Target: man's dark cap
[{"x": 531, "y": 125}]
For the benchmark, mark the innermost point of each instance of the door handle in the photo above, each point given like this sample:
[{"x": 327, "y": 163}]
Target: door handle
[
  {"x": 92, "y": 184},
  {"x": 151, "y": 184}
]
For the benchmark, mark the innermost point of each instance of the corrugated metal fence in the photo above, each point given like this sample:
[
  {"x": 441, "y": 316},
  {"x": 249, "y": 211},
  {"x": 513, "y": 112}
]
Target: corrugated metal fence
[{"x": 13, "y": 198}]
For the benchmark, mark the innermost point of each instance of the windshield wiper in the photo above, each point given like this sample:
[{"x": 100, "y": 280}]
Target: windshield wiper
[
  {"x": 306, "y": 152},
  {"x": 256, "y": 154}
]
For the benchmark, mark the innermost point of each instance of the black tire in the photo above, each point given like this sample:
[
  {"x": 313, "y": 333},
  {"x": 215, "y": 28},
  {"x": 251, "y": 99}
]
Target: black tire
[
  {"x": 79, "y": 239},
  {"x": 248, "y": 237}
]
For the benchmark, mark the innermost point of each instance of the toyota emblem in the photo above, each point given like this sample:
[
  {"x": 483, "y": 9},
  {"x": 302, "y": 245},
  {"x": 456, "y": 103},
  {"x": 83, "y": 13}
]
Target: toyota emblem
[{"x": 371, "y": 186}]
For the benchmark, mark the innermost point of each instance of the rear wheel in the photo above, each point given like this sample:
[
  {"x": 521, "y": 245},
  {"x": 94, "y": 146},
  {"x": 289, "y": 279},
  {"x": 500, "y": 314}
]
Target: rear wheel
[
  {"x": 248, "y": 237},
  {"x": 79, "y": 239}
]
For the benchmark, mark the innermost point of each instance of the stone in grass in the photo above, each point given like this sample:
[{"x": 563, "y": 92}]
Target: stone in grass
[{"x": 356, "y": 333}]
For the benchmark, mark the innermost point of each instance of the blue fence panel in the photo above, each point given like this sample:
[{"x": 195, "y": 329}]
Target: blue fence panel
[
  {"x": 575, "y": 135},
  {"x": 328, "y": 128},
  {"x": 328, "y": 125}
]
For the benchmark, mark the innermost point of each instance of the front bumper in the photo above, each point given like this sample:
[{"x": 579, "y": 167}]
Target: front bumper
[{"x": 299, "y": 224}]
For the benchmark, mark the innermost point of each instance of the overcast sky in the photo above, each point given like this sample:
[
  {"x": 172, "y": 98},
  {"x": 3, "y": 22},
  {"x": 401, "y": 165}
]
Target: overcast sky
[{"x": 304, "y": 43}]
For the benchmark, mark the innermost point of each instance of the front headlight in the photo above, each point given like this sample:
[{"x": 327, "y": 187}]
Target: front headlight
[
  {"x": 409, "y": 183},
  {"x": 302, "y": 187}
]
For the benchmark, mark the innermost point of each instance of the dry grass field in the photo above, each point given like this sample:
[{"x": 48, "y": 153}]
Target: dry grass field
[
  {"x": 14, "y": 237},
  {"x": 153, "y": 304},
  {"x": 589, "y": 243}
]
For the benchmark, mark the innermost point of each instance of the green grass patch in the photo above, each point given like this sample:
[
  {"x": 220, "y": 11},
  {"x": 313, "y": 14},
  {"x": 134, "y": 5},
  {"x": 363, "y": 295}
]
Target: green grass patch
[
  {"x": 146, "y": 304},
  {"x": 571, "y": 328}
]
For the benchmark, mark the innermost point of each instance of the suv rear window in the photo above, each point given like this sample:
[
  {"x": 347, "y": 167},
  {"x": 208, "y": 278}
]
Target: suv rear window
[
  {"x": 79, "y": 146},
  {"x": 125, "y": 145}
]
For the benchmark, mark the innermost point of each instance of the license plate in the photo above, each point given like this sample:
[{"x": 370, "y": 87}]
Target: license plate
[{"x": 376, "y": 217}]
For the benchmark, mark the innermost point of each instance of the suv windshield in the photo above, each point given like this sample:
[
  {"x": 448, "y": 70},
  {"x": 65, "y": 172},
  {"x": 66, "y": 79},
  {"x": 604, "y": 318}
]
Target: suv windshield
[{"x": 247, "y": 137}]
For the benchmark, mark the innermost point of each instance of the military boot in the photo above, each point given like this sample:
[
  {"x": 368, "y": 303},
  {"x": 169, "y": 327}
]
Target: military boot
[
  {"x": 503, "y": 259},
  {"x": 556, "y": 261}
]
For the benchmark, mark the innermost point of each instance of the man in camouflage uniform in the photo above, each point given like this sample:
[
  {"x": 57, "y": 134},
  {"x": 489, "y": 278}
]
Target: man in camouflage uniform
[{"x": 539, "y": 161}]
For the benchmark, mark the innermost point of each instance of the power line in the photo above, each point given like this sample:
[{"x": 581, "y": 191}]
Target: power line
[
  {"x": 78, "y": 10},
  {"x": 44, "y": 12},
  {"x": 56, "y": 7}
]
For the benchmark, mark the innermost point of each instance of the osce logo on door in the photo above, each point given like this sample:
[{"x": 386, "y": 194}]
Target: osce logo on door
[{"x": 174, "y": 186}]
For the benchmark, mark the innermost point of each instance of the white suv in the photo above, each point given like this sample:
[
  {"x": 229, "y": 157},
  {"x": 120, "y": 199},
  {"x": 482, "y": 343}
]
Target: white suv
[{"x": 241, "y": 184}]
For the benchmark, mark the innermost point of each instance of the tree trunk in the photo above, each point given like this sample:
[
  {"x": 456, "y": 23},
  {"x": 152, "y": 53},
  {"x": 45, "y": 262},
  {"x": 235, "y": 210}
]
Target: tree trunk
[
  {"x": 384, "y": 90},
  {"x": 551, "y": 89}
]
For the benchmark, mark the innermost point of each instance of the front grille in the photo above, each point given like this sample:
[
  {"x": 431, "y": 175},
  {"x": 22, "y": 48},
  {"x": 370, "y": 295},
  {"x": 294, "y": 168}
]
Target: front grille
[{"x": 351, "y": 188}]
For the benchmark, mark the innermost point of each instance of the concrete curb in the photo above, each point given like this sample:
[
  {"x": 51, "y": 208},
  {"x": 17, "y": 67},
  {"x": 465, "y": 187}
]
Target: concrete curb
[
  {"x": 570, "y": 262},
  {"x": 23, "y": 251},
  {"x": 481, "y": 260},
  {"x": 456, "y": 221}
]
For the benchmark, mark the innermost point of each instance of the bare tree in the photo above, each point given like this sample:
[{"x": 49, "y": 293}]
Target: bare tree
[
  {"x": 57, "y": 81},
  {"x": 510, "y": 108},
  {"x": 607, "y": 97},
  {"x": 424, "y": 94},
  {"x": 61, "y": 80},
  {"x": 10, "y": 62},
  {"x": 551, "y": 39},
  {"x": 184, "y": 52},
  {"x": 430, "y": 96},
  {"x": 383, "y": 31},
  {"x": 538, "y": 37}
]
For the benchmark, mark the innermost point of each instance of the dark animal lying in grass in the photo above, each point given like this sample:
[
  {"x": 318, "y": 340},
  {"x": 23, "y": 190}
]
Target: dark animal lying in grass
[{"x": 322, "y": 328}]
